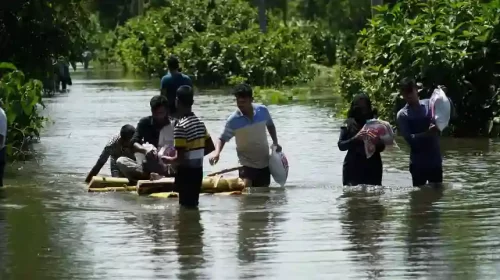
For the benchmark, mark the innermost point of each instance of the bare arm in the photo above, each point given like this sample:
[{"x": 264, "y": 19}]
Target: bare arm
[
  {"x": 100, "y": 162},
  {"x": 271, "y": 128}
]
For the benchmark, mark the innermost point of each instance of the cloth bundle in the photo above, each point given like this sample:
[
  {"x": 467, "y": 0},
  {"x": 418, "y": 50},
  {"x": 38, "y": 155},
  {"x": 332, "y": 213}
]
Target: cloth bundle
[{"x": 373, "y": 130}]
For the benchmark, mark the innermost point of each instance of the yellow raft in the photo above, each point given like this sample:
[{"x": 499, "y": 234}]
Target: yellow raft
[{"x": 165, "y": 187}]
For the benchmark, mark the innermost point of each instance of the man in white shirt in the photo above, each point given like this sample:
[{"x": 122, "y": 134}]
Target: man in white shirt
[{"x": 3, "y": 138}]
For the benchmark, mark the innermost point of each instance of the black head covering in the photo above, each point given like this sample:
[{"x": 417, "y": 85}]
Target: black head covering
[{"x": 356, "y": 113}]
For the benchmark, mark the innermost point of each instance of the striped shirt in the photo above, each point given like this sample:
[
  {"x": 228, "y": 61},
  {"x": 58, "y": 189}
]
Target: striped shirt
[{"x": 190, "y": 134}]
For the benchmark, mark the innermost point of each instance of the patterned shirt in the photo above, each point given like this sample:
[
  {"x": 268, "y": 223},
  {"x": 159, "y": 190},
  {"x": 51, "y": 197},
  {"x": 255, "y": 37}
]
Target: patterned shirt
[
  {"x": 115, "y": 149},
  {"x": 190, "y": 134}
]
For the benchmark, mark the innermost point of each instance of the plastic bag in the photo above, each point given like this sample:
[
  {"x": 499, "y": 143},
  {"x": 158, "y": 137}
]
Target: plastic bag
[
  {"x": 139, "y": 157},
  {"x": 278, "y": 166},
  {"x": 440, "y": 108},
  {"x": 373, "y": 130},
  {"x": 166, "y": 136}
]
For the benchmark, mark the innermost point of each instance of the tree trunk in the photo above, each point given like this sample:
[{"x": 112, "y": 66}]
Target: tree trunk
[
  {"x": 374, "y": 4},
  {"x": 262, "y": 16}
]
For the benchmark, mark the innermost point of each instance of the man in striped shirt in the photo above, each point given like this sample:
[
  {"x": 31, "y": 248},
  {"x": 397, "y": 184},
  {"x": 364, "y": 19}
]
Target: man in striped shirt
[{"x": 190, "y": 139}]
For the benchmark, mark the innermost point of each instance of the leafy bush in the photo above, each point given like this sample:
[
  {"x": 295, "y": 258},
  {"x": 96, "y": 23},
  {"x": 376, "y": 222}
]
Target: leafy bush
[
  {"x": 442, "y": 42},
  {"x": 20, "y": 99},
  {"x": 216, "y": 44}
]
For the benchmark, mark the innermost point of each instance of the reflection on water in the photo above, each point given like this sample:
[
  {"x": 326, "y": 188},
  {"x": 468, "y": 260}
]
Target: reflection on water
[
  {"x": 424, "y": 240},
  {"x": 189, "y": 247},
  {"x": 50, "y": 228},
  {"x": 362, "y": 219}
]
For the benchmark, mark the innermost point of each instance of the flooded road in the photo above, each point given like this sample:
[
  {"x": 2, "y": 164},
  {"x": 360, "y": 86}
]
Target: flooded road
[{"x": 51, "y": 228}]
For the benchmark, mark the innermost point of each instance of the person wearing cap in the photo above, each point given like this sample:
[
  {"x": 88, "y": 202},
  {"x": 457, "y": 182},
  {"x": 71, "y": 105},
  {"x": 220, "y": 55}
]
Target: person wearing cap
[
  {"x": 248, "y": 125},
  {"x": 416, "y": 126},
  {"x": 172, "y": 81},
  {"x": 190, "y": 140},
  {"x": 118, "y": 146},
  {"x": 148, "y": 132}
]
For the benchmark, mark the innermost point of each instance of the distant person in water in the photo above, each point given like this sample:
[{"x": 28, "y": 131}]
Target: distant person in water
[
  {"x": 61, "y": 74},
  {"x": 416, "y": 126},
  {"x": 357, "y": 169},
  {"x": 172, "y": 81},
  {"x": 248, "y": 125},
  {"x": 148, "y": 131},
  {"x": 118, "y": 146},
  {"x": 3, "y": 139}
]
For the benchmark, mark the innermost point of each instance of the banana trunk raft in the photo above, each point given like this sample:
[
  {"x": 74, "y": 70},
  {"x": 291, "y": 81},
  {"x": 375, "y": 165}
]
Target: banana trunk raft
[{"x": 165, "y": 187}]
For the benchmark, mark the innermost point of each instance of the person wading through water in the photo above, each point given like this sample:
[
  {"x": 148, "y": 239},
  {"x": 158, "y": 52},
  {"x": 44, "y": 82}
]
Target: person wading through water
[
  {"x": 171, "y": 82},
  {"x": 357, "y": 169},
  {"x": 416, "y": 126},
  {"x": 190, "y": 140},
  {"x": 248, "y": 125}
]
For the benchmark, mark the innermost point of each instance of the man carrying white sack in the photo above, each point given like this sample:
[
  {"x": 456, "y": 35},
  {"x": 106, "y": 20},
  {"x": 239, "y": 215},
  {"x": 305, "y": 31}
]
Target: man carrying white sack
[
  {"x": 417, "y": 127},
  {"x": 248, "y": 125},
  {"x": 152, "y": 134}
]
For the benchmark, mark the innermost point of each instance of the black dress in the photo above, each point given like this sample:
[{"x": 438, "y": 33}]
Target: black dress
[{"x": 357, "y": 169}]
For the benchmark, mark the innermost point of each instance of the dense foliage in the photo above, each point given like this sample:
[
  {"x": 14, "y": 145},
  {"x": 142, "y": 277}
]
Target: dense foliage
[
  {"x": 34, "y": 32},
  {"x": 445, "y": 42},
  {"x": 20, "y": 99},
  {"x": 216, "y": 43}
]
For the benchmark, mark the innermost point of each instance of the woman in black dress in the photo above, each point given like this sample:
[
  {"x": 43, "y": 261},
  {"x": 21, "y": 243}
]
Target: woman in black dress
[{"x": 357, "y": 169}]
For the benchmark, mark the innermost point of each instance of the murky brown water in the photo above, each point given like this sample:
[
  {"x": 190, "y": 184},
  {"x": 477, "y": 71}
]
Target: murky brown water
[{"x": 50, "y": 228}]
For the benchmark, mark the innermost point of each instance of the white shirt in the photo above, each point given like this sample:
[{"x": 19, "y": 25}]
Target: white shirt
[{"x": 3, "y": 127}]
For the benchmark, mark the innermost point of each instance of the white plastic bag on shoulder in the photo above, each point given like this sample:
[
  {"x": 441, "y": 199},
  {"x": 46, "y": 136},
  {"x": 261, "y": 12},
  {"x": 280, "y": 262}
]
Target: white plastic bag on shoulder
[{"x": 440, "y": 108}]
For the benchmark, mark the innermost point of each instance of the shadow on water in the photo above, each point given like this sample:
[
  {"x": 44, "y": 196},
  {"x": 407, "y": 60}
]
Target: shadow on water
[{"x": 362, "y": 221}]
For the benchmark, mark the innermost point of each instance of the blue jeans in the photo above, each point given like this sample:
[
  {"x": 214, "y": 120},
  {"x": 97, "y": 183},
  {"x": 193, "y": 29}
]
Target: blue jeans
[{"x": 3, "y": 151}]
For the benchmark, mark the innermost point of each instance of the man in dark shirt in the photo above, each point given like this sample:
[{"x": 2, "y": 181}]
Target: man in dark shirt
[
  {"x": 118, "y": 146},
  {"x": 417, "y": 127},
  {"x": 147, "y": 131},
  {"x": 172, "y": 81}
]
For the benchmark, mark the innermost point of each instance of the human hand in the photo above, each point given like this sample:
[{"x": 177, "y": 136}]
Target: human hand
[
  {"x": 214, "y": 158},
  {"x": 433, "y": 129},
  {"x": 278, "y": 147}
]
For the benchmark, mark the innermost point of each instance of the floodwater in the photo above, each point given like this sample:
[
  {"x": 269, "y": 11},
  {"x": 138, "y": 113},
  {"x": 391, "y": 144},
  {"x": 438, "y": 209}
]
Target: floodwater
[{"x": 51, "y": 228}]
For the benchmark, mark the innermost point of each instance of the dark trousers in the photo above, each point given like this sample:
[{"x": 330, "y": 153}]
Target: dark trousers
[
  {"x": 259, "y": 177},
  {"x": 422, "y": 175},
  {"x": 188, "y": 181},
  {"x": 3, "y": 152}
]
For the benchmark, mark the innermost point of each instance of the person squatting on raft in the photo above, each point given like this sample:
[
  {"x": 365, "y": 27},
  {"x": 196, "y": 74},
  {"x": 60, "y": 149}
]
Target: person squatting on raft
[
  {"x": 416, "y": 126},
  {"x": 172, "y": 81},
  {"x": 148, "y": 132},
  {"x": 248, "y": 125},
  {"x": 357, "y": 169},
  {"x": 190, "y": 140},
  {"x": 118, "y": 146}
]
